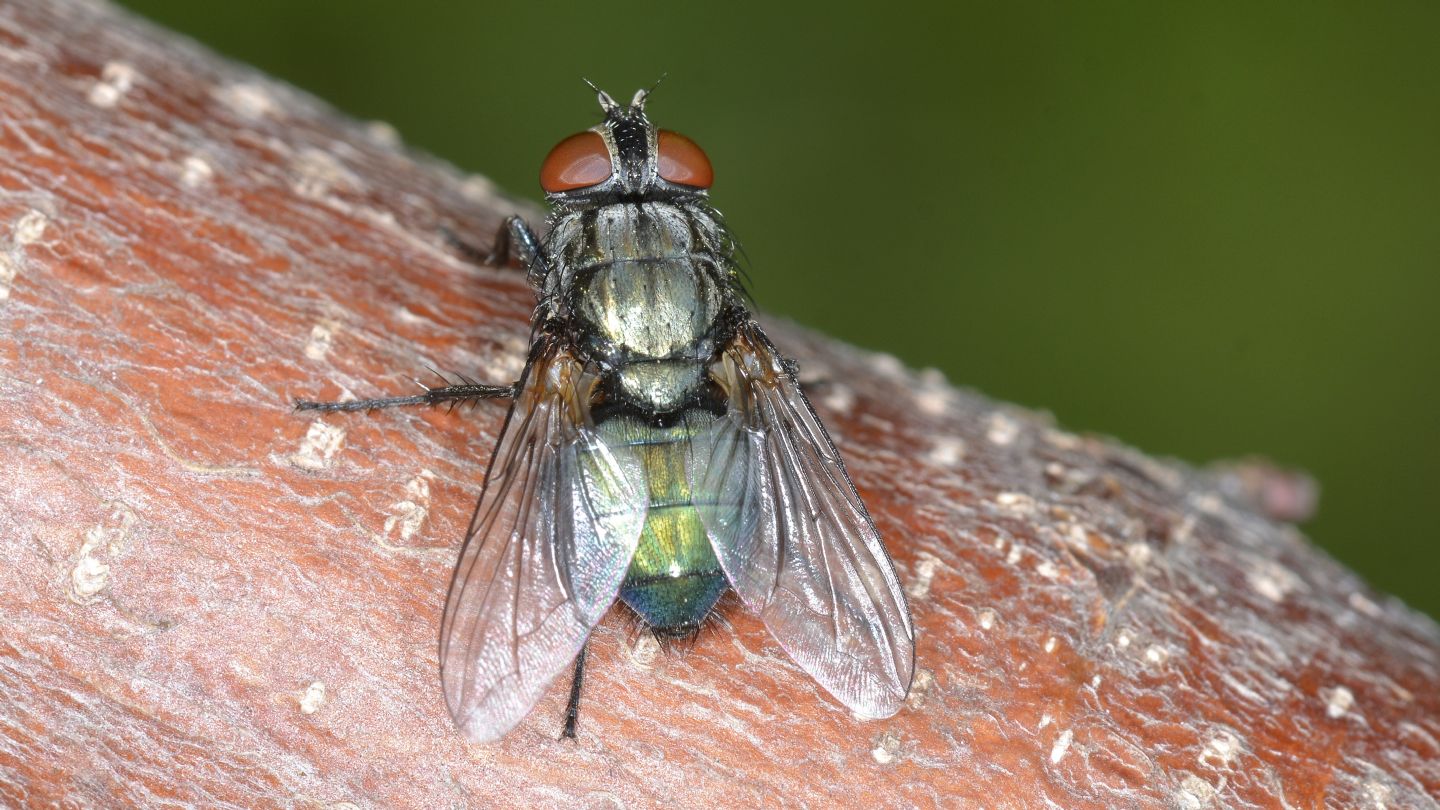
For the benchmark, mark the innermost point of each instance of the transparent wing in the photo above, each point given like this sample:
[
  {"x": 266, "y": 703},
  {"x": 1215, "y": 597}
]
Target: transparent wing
[
  {"x": 794, "y": 539},
  {"x": 549, "y": 544}
]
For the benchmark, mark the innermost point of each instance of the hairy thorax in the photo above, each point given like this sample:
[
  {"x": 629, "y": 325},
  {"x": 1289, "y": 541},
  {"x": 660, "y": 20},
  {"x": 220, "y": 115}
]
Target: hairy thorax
[{"x": 643, "y": 284}]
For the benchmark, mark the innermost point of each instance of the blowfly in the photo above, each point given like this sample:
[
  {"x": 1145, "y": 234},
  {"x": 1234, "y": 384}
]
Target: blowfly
[{"x": 658, "y": 450}]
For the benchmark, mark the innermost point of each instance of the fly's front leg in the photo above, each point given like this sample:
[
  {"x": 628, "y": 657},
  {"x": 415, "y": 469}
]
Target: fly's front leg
[
  {"x": 514, "y": 239},
  {"x": 454, "y": 395}
]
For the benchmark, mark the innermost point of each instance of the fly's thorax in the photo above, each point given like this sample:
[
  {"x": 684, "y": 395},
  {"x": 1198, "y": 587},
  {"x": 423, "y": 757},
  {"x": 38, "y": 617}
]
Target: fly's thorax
[
  {"x": 642, "y": 280},
  {"x": 647, "y": 288}
]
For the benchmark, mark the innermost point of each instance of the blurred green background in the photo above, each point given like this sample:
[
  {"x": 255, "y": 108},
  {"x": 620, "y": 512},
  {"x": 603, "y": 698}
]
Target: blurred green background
[{"x": 1209, "y": 229}]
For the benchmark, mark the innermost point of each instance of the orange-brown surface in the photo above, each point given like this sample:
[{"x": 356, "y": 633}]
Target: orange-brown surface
[{"x": 210, "y": 600}]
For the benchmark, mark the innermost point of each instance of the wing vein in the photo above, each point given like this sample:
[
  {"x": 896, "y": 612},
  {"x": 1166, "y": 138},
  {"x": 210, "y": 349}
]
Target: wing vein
[
  {"x": 794, "y": 538},
  {"x": 513, "y": 621}
]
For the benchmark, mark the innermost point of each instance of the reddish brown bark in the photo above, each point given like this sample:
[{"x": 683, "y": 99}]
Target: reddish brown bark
[{"x": 212, "y": 600}]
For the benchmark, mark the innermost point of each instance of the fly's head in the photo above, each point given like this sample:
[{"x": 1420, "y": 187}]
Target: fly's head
[{"x": 625, "y": 157}]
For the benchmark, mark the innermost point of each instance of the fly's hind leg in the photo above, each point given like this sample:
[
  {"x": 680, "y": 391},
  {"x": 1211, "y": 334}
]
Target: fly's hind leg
[
  {"x": 453, "y": 395},
  {"x": 572, "y": 709}
]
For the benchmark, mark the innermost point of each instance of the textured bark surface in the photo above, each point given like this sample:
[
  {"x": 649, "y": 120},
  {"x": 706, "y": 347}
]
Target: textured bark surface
[{"x": 209, "y": 599}]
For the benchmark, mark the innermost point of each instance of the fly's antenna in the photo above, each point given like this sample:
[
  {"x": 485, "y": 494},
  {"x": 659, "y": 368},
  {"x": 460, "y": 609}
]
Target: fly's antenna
[
  {"x": 606, "y": 102},
  {"x": 638, "y": 102}
]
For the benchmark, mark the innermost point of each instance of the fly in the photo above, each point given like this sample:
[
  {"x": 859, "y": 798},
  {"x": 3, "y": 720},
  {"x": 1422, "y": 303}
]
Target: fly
[{"x": 658, "y": 451}]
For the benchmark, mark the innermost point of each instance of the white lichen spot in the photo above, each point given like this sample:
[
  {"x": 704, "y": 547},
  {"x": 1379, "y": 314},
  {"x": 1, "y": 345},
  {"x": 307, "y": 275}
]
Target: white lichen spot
[
  {"x": 1017, "y": 502},
  {"x": 947, "y": 451},
  {"x": 408, "y": 515},
  {"x": 116, "y": 79},
  {"x": 1062, "y": 744},
  {"x": 322, "y": 335},
  {"x": 919, "y": 587},
  {"x": 405, "y": 315},
  {"x": 1051, "y": 643},
  {"x": 987, "y": 618},
  {"x": 87, "y": 579},
  {"x": 313, "y": 699},
  {"x": 933, "y": 401},
  {"x": 1185, "y": 532},
  {"x": 318, "y": 174},
  {"x": 1063, "y": 440},
  {"x": 29, "y": 228},
  {"x": 1077, "y": 536},
  {"x": 321, "y": 442},
  {"x": 478, "y": 188},
  {"x": 1194, "y": 793},
  {"x": 1015, "y": 556},
  {"x": 1045, "y": 720},
  {"x": 1379, "y": 794},
  {"x": 645, "y": 651},
  {"x": 509, "y": 366},
  {"x": 838, "y": 397},
  {"x": 1272, "y": 581},
  {"x": 1209, "y": 503},
  {"x": 1002, "y": 429},
  {"x": 385, "y": 219},
  {"x": 91, "y": 572},
  {"x": 1048, "y": 569},
  {"x": 814, "y": 373},
  {"x": 1220, "y": 750},
  {"x": 195, "y": 172},
  {"x": 8, "y": 270},
  {"x": 1337, "y": 701},
  {"x": 887, "y": 748},
  {"x": 1095, "y": 682},
  {"x": 248, "y": 99},
  {"x": 1156, "y": 655},
  {"x": 920, "y": 687},
  {"x": 1139, "y": 554},
  {"x": 1363, "y": 604},
  {"x": 1123, "y": 639},
  {"x": 1265, "y": 586},
  {"x": 383, "y": 133},
  {"x": 886, "y": 365}
]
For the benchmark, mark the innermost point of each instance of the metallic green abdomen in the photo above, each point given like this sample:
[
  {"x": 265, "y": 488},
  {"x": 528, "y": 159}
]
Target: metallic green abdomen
[{"x": 674, "y": 579}]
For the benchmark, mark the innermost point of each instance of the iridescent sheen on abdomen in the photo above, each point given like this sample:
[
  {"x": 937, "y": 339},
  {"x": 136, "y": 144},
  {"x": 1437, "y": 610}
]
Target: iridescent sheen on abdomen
[{"x": 674, "y": 579}]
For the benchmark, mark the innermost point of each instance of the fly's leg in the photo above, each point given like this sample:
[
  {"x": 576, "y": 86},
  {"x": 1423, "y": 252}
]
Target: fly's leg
[
  {"x": 572, "y": 709},
  {"x": 454, "y": 395},
  {"x": 514, "y": 239},
  {"x": 467, "y": 251}
]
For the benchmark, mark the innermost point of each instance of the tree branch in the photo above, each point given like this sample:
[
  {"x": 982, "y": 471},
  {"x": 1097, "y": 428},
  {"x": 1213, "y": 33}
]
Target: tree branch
[{"x": 210, "y": 599}]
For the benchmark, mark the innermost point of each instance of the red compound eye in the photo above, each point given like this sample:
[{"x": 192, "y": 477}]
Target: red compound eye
[
  {"x": 578, "y": 161},
  {"x": 682, "y": 162}
]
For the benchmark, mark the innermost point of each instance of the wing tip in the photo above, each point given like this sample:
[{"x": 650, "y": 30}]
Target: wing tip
[
  {"x": 477, "y": 733},
  {"x": 879, "y": 707}
]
